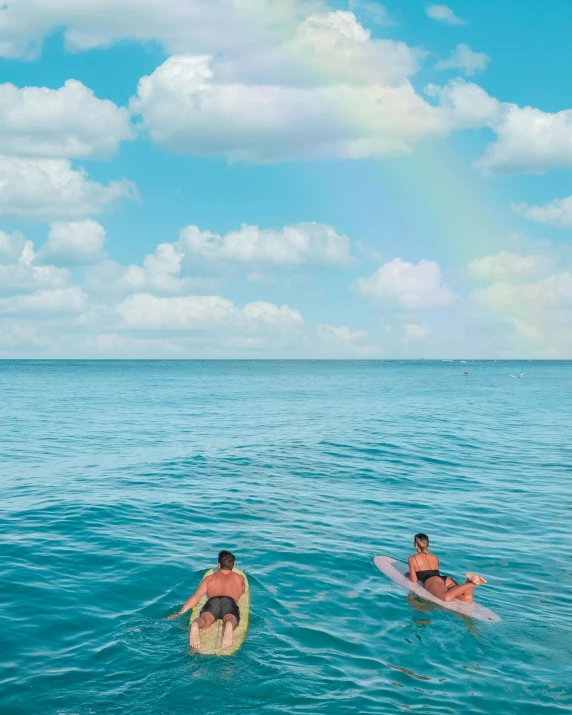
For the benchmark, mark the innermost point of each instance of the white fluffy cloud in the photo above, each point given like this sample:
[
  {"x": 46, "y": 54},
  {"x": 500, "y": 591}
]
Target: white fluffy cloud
[
  {"x": 374, "y": 10},
  {"x": 509, "y": 266},
  {"x": 410, "y": 286},
  {"x": 329, "y": 90},
  {"x": 60, "y": 123},
  {"x": 342, "y": 333},
  {"x": 333, "y": 48},
  {"x": 528, "y": 300},
  {"x": 464, "y": 59},
  {"x": 50, "y": 189},
  {"x": 73, "y": 243},
  {"x": 52, "y": 302},
  {"x": 535, "y": 315},
  {"x": 22, "y": 276},
  {"x": 291, "y": 245},
  {"x": 529, "y": 141},
  {"x": 19, "y": 272},
  {"x": 557, "y": 212},
  {"x": 254, "y": 80},
  {"x": 40, "y": 130},
  {"x": 207, "y": 25},
  {"x": 160, "y": 273},
  {"x": 11, "y": 246},
  {"x": 266, "y": 81},
  {"x": 177, "y": 268},
  {"x": 443, "y": 13},
  {"x": 18, "y": 336},
  {"x": 144, "y": 311},
  {"x": 42, "y": 312},
  {"x": 414, "y": 332},
  {"x": 186, "y": 109},
  {"x": 211, "y": 325},
  {"x": 185, "y": 106},
  {"x": 464, "y": 105},
  {"x": 526, "y": 308}
]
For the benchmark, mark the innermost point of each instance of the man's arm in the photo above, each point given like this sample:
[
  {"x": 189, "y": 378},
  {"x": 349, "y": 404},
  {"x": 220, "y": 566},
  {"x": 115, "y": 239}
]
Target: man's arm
[{"x": 194, "y": 599}]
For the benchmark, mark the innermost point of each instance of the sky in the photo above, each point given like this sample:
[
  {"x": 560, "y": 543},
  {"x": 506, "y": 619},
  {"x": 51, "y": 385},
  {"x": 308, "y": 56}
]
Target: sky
[{"x": 285, "y": 179}]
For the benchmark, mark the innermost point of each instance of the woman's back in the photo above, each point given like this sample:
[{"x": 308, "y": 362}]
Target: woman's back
[{"x": 426, "y": 562}]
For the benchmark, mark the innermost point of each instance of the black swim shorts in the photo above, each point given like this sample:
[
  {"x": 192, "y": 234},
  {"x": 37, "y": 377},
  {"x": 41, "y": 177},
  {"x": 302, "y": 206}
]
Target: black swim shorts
[{"x": 220, "y": 606}]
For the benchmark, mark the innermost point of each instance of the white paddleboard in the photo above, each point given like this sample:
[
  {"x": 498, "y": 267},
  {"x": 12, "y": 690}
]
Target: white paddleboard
[{"x": 396, "y": 572}]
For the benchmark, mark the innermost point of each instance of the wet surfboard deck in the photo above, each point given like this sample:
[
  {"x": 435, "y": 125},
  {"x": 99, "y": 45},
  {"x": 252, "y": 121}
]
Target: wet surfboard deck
[
  {"x": 211, "y": 638},
  {"x": 396, "y": 572}
]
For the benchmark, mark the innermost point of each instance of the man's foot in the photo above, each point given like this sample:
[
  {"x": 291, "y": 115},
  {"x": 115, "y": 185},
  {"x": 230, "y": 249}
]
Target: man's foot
[
  {"x": 227, "y": 636},
  {"x": 195, "y": 636},
  {"x": 477, "y": 580}
]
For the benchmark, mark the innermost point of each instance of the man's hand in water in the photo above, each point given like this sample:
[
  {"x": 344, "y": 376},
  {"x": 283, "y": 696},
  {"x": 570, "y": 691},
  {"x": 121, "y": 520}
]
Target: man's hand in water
[{"x": 193, "y": 600}]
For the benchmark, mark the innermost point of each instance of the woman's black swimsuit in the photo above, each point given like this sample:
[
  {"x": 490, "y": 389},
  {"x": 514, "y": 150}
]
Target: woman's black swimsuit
[
  {"x": 424, "y": 575},
  {"x": 427, "y": 574}
]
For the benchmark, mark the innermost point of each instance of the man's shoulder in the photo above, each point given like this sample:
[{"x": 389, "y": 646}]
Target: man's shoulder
[{"x": 239, "y": 578}]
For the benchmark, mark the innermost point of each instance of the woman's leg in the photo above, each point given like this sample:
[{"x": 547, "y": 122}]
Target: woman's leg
[
  {"x": 436, "y": 587},
  {"x": 464, "y": 592},
  {"x": 465, "y": 597},
  {"x": 449, "y": 590}
]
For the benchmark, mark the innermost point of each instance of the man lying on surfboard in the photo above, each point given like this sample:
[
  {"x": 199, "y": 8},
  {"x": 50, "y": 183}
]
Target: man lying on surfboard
[
  {"x": 424, "y": 568},
  {"x": 223, "y": 590}
]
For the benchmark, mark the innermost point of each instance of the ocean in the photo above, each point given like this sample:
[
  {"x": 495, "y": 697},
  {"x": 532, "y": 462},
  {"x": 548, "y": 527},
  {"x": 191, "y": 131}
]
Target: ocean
[{"x": 121, "y": 481}]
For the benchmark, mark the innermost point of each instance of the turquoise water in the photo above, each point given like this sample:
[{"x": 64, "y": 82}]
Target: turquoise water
[{"x": 122, "y": 480}]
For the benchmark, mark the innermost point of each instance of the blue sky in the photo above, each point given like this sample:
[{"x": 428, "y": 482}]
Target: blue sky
[{"x": 193, "y": 178}]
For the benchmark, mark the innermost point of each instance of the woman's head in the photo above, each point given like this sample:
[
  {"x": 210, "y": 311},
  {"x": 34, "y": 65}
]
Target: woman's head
[{"x": 421, "y": 541}]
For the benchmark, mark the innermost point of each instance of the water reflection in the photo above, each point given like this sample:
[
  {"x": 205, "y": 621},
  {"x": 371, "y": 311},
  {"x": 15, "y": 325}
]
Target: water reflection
[
  {"x": 408, "y": 672},
  {"x": 421, "y": 605}
]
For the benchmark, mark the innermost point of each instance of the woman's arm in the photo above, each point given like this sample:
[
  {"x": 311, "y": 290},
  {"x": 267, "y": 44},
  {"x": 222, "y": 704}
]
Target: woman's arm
[{"x": 412, "y": 571}]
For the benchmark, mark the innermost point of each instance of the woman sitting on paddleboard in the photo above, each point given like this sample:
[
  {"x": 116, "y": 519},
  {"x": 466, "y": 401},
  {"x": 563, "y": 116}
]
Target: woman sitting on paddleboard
[{"x": 424, "y": 568}]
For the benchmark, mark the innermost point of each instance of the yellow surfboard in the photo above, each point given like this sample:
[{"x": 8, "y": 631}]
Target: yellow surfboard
[{"x": 211, "y": 638}]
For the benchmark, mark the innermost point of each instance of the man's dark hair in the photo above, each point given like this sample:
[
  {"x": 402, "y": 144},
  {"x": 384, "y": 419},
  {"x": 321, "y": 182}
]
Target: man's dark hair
[{"x": 226, "y": 560}]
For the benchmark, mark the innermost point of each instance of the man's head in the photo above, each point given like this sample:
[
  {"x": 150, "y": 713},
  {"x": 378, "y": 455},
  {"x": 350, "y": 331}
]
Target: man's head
[{"x": 226, "y": 560}]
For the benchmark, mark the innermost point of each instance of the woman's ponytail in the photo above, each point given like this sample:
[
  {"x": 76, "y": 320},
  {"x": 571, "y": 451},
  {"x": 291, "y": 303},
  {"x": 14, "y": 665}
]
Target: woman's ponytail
[{"x": 422, "y": 541}]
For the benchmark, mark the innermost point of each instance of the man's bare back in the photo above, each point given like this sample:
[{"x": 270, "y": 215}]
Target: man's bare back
[{"x": 225, "y": 583}]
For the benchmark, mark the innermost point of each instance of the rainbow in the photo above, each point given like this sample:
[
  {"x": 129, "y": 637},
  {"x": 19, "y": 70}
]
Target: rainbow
[{"x": 458, "y": 215}]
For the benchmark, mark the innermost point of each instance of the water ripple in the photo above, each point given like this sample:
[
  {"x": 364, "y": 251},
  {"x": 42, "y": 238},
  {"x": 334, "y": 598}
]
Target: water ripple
[{"x": 121, "y": 480}]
